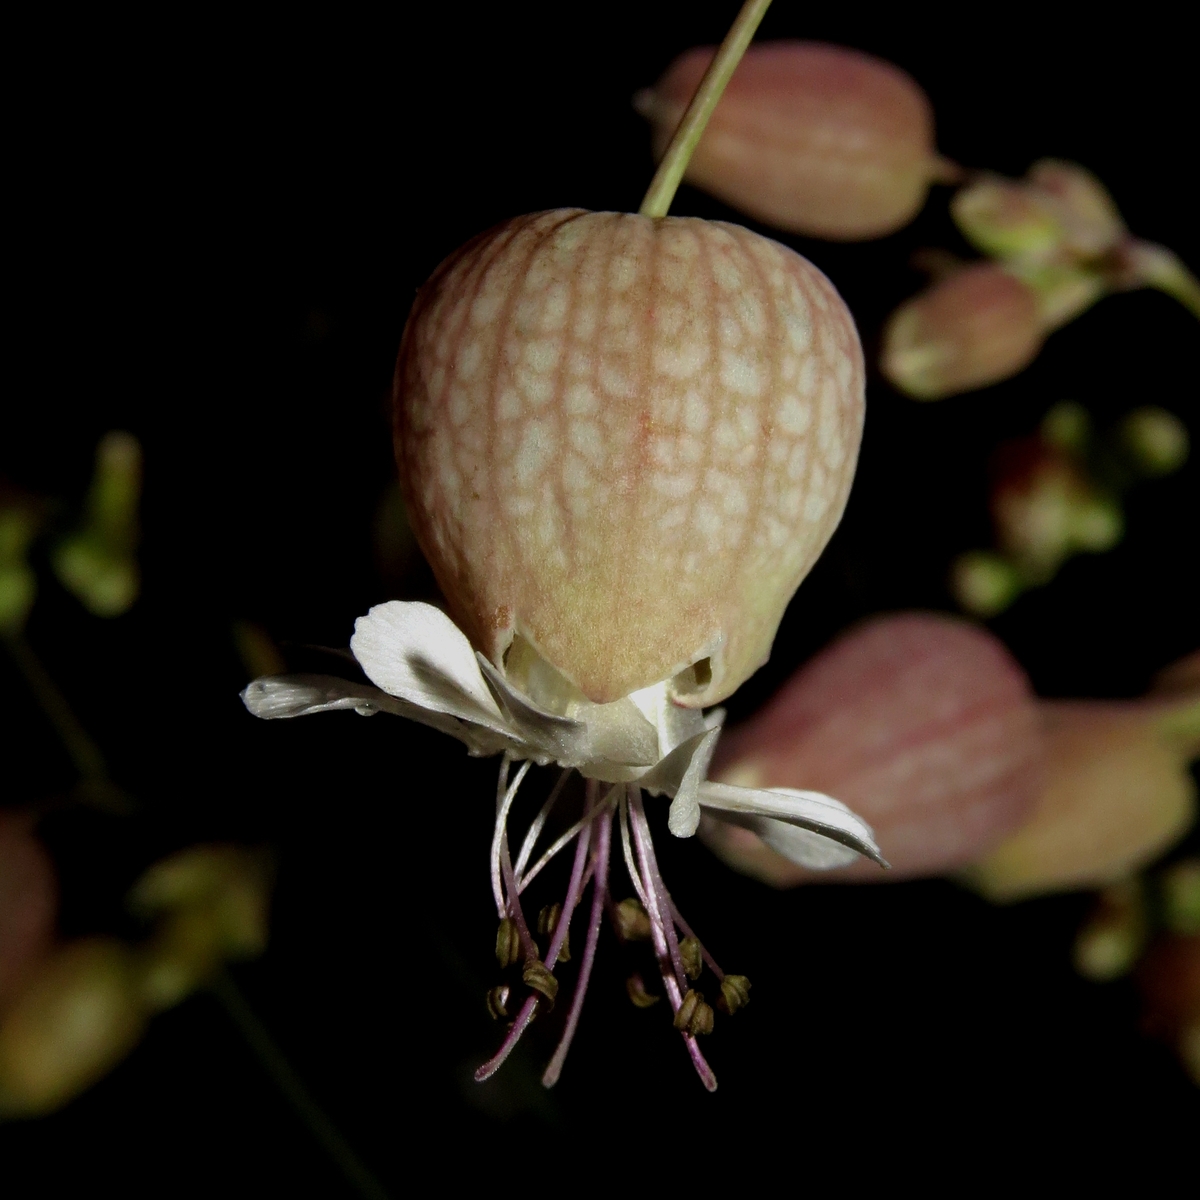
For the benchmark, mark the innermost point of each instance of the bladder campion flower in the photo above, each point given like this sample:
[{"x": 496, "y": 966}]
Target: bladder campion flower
[{"x": 623, "y": 440}]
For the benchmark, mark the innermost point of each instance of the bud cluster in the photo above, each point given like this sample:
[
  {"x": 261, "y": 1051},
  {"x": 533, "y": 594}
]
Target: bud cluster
[{"x": 1058, "y": 494}]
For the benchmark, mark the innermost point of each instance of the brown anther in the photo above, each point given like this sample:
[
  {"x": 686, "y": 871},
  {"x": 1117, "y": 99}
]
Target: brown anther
[
  {"x": 735, "y": 993},
  {"x": 636, "y": 990},
  {"x": 633, "y": 925},
  {"x": 537, "y": 977},
  {"x": 547, "y": 923},
  {"x": 497, "y": 1002},
  {"x": 693, "y": 957},
  {"x": 508, "y": 943},
  {"x": 695, "y": 1016}
]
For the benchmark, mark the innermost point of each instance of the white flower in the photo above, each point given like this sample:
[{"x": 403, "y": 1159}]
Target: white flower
[{"x": 423, "y": 667}]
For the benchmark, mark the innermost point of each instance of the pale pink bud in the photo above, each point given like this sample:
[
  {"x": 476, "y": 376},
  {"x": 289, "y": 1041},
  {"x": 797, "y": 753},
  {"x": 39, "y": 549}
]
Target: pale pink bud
[
  {"x": 1118, "y": 792},
  {"x": 814, "y": 139},
  {"x": 973, "y": 328},
  {"x": 623, "y": 442},
  {"x": 28, "y": 901},
  {"x": 923, "y": 724}
]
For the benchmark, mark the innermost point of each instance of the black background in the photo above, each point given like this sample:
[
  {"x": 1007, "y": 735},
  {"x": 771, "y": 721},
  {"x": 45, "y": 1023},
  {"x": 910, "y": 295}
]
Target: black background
[{"x": 220, "y": 222}]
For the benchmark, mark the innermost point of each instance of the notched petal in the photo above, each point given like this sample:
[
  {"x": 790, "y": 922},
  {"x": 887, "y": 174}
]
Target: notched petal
[
  {"x": 416, "y": 653},
  {"x": 764, "y": 809}
]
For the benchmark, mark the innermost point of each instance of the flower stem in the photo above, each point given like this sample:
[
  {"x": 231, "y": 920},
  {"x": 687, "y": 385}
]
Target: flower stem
[
  {"x": 96, "y": 786},
  {"x": 679, "y": 153},
  {"x": 296, "y": 1094}
]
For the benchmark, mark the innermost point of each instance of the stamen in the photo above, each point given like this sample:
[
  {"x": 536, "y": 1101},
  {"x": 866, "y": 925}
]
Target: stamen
[
  {"x": 635, "y": 989},
  {"x": 635, "y": 876},
  {"x": 559, "y": 843},
  {"x": 653, "y": 883},
  {"x": 519, "y": 1026},
  {"x": 677, "y": 917},
  {"x": 641, "y": 834},
  {"x": 693, "y": 963},
  {"x": 603, "y": 828},
  {"x": 505, "y": 795},
  {"x": 539, "y": 822}
]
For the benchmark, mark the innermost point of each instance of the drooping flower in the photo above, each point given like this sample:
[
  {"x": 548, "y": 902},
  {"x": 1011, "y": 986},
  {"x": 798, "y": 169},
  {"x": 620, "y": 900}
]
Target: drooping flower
[{"x": 622, "y": 441}]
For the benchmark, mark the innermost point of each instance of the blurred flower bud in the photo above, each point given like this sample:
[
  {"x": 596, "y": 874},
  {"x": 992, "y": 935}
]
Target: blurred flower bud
[
  {"x": 75, "y": 1020},
  {"x": 971, "y": 329},
  {"x": 28, "y": 901},
  {"x": 1169, "y": 980},
  {"x": 1007, "y": 220},
  {"x": 1179, "y": 894},
  {"x": 923, "y": 724},
  {"x": 19, "y": 522},
  {"x": 1155, "y": 440},
  {"x": 1110, "y": 941},
  {"x": 1088, "y": 219},
  {"x": 97, "y": 562},
  {"x": 1067, "y": 427},
  {"x": 210, "y": 903},
  {"x": 815, "y": 139},
  {"x": 1118, "y": 792},
  {"x": 1045, "y": 509},
  {"x": 985, "y": 583}
]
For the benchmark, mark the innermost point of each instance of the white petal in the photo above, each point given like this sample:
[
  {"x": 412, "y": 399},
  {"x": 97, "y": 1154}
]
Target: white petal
[
  {"x": 279, "y": 696},
  {"x": 675, "y": 724},
  {"x": 613, "y": 742},
  {"x": 761, "y": 809},
  {"x": 802, "y": 846},
  {"x": 415, "y": 652},
  {"x": 684, "y": 817}
]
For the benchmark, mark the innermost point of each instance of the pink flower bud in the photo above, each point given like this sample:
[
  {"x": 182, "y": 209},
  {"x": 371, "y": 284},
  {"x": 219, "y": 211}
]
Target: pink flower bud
[
  {"x": 814, "y": 139},
  {"x": 624, "y": 441},
  {"x": 923, "y": 724},
  {"x": 28, "y": 900},
  {"x": 973, "y": 328}
]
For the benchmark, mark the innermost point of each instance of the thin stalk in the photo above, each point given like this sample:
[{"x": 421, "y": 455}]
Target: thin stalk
[
  {"x": 674, "y": 163},
  {"x": 560, "y": 842},
  {"x": 296, "y": 1094},
  {"x": 84, "y": 752},
  {"x": 677, "y": 917},
  {"x": 539, "y": 823},
  {"x": 652, "y": 879}
]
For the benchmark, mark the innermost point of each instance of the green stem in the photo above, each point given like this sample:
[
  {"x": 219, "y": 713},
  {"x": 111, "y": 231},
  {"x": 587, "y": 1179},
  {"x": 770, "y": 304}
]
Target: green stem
[
  {"x": 679, "y": 153},
  {"x": 84, "y": 752},
  {"x": 288, "y": 1082}
]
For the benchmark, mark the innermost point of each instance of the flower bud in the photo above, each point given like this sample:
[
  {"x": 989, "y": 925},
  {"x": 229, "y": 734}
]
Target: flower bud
[
  {"x": 97, "y": 563},
  {"x": 1179, "y": 893},
  {"x": 815, "y": 139},
  {"x": 1155, "y": 440},
  {"x": 971, "y": 329},
  {"x": 985, "y": 583},
  {"x": 1108, "y": 944},
  {"x": 1117, "y": 793},
  {"x": 77, "y": 1018},
  {"x": 924, "y": 725},
  {"x": 210, "y": 903},
  {"x": 1090, "y": 223},
  {"x": 28, "y": 900},
  {"x": 18, "y": 583},
  {"x": 623, "y": 442},
  {"x": 1045, "y": 509}
]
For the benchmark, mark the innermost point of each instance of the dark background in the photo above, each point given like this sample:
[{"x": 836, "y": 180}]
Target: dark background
[{"x": 219, "y": 226}]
